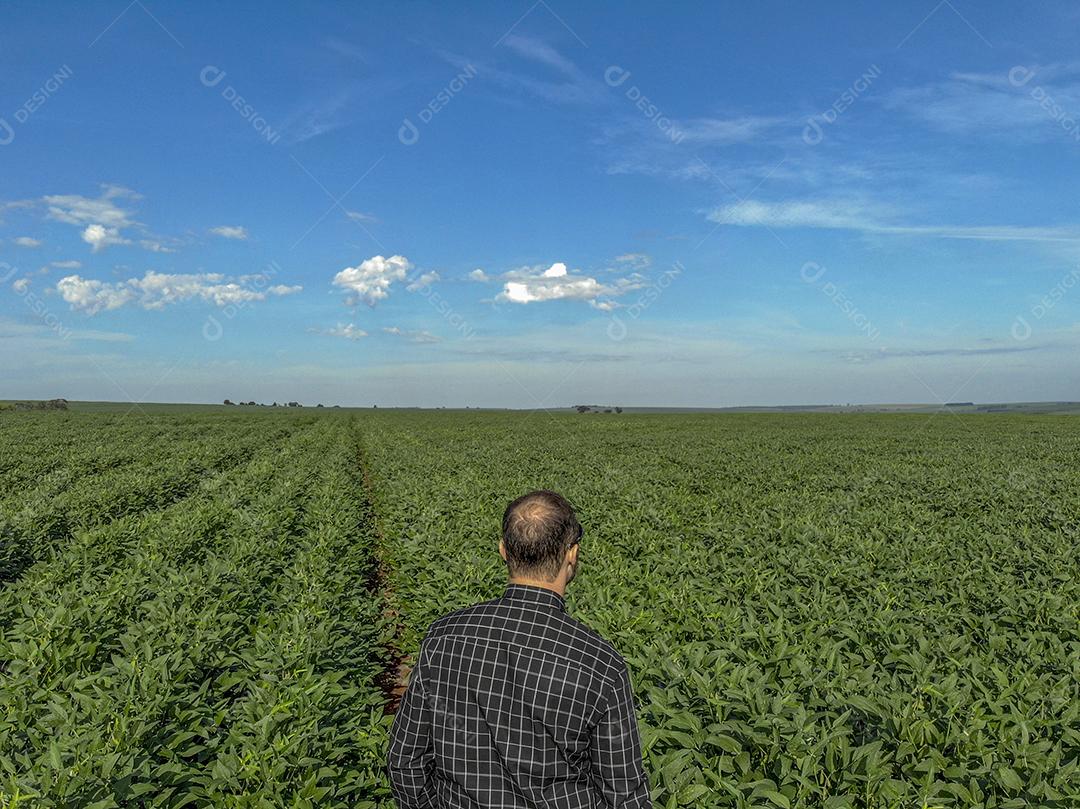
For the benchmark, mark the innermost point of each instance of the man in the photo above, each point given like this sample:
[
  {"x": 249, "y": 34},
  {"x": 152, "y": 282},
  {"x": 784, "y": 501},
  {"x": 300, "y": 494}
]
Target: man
[{"x": 513, "y": 703}]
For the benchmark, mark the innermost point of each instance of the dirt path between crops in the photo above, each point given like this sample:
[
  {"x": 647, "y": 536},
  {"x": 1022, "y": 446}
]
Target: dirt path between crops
[{"x": 395, "y": 674}]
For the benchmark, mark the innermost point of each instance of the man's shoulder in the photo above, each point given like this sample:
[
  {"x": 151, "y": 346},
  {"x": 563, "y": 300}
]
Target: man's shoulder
[
  {"x": 463, "y": 616},
  {"x": 601, "y": 647},
  {"x": 579, "y": 635}
]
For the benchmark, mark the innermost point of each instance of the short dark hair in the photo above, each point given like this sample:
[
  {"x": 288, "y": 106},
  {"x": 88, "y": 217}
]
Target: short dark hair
[{"x": 538, "y": 529}]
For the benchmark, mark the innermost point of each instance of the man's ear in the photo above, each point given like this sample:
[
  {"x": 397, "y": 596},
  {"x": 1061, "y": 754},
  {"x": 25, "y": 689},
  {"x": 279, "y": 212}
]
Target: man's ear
[
  {"x": 571, "y": 555},
  {"x": 502, "y": 549}
]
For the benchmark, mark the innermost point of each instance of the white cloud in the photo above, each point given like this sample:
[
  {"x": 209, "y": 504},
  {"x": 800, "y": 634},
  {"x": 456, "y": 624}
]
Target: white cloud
[
  {"x": 78, "y": 210},
  {"x": 722, "y": 131},
  {"x": 27, "y": 241},
  {"x": 1002, "y": 103},
  {"x": 69, "y": 264},
  {"x": 564, "y": 84},
  {"x": 92, "y": 296},
  {"x": 425, "y": 280},
  {"x": 479, "y": 275},
  {"x": 533, "y": 285},
  {"x": 371, "y": 280},
  {"x": 230, "y": 232},
  {"x": 636, "y": 261},
  {"x": 157, "y": 290},
  {"x": 412, "y": 335},
  {"x": 104, "y": 219},
  {"x": 282, "y": 289},
  {"x": 539, "y": 51},
  {"x": 361, "y": 217},
  {"x": 348, "y": 331},
  {"x": 865, "y": 217},
  {"x": 21, "y": 285},
  {"x": 99, "y": 237}
]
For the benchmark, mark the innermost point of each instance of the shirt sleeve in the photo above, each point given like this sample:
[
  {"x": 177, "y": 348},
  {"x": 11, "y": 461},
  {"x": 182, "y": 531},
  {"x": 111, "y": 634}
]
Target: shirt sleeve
[
  {"x": 615, "y": 750},
  {"x": 411, "y": 760}
]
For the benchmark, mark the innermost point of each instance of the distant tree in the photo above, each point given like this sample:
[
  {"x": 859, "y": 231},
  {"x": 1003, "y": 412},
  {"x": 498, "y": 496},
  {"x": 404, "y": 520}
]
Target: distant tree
[
  {"x": 319, "y": 404},
  {"x": 618, "y": 409},
  {"x": 608, "y": 410},
  {"x": 228, "y": 402},
  {"x": 582, "y": 408}
]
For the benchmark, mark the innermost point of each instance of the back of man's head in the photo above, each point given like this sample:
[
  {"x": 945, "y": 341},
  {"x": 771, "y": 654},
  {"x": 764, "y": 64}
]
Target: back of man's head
[{"x": 538, "y": 529}]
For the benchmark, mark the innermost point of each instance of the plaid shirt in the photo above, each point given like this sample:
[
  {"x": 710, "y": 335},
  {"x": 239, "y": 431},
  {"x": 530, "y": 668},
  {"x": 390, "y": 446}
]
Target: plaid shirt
[{"x": 512, "y": 704}]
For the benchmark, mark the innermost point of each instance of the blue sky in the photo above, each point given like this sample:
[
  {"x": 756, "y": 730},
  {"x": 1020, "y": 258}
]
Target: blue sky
[{"x": 534, "y": 205}]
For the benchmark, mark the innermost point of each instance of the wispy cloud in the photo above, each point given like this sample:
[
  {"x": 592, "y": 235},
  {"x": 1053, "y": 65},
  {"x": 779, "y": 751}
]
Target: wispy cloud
[
  {"x": 106, "y": 220},
  {"x": 106, "y": 210},
  {"x": 724, "y": 131},
  {"x": 412, "y": 335},
  {"x": 347, "y": 331},
  {"x": 346, "y": 49},
  {"x": 423, "y": 281},
  {"x": 634, "y": 261},
  {"x": 318, "y": 117},
  {"x": 539, "y": 70},
  {"x": 27, "y": 241},
  {"x": 156, "y": 246},
  {"x": 863, "y": 216},
  {"x": 995, "y": 103},
  {"x": 539, "y": 51},
  {"x": 238, "y": 232},
  {"x": 858, "y": 356}
]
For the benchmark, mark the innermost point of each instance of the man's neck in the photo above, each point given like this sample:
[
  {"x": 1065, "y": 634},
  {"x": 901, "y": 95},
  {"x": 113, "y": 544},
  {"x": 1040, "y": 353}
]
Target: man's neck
[{"x": 558, "y": 586}]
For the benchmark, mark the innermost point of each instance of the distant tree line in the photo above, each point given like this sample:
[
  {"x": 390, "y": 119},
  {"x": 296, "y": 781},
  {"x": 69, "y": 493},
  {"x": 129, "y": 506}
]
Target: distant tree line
[
  {"x": 50, "y": 404},
  {"x": 231, "y": 403}
]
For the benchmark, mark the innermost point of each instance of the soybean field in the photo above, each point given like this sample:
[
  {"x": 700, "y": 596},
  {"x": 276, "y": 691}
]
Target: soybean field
[{"x": 216, "y": 606}]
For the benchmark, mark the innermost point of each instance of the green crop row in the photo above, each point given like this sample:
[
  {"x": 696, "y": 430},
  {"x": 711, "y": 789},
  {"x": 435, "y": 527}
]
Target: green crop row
[
  {"x": 59, "y": 449},
  {"x": 223, "y": 652},
  {"x": 36, "y": 522},
  {"x": 822, "y": 611},
  {"x": 817, "y": 611}
]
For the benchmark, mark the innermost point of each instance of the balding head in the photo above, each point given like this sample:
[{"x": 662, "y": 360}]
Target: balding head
[{"x": 538, "y": 529}]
